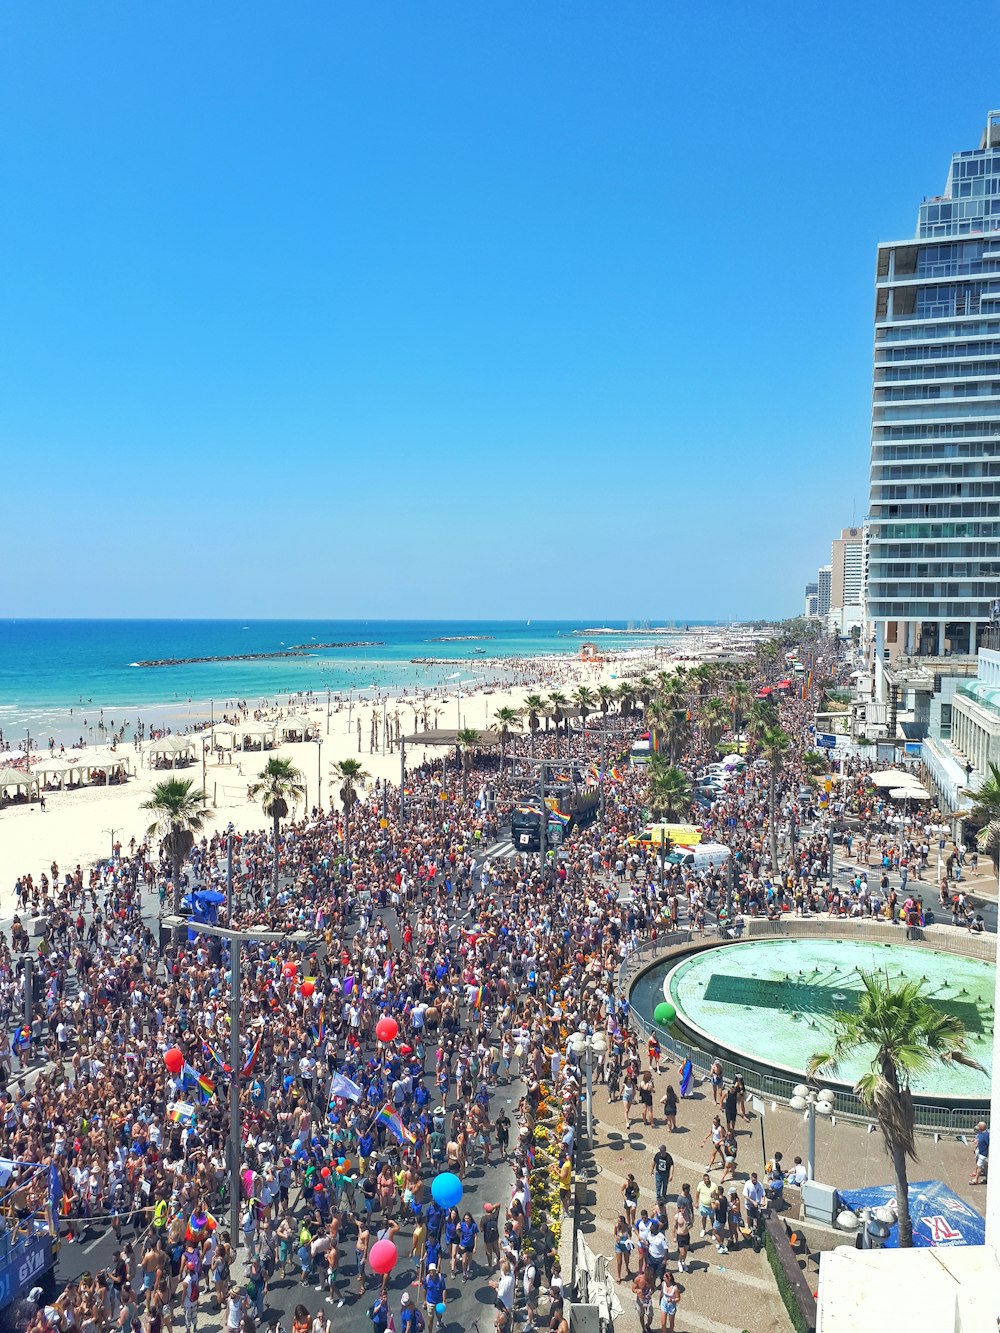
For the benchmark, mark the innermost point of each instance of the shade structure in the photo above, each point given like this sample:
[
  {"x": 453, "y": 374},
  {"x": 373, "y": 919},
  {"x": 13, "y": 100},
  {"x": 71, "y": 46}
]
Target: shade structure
[
  {"x": 891, "y": 777},
  {"x": 12, "y": 778},
  {"x": 911, "y": 792}
]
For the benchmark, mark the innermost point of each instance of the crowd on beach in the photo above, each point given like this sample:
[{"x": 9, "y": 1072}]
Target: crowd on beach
[{"x": 372, "y": 1056}]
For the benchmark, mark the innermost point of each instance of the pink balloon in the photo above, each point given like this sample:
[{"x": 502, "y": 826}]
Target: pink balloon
[{"x": 382, "y": 1256}]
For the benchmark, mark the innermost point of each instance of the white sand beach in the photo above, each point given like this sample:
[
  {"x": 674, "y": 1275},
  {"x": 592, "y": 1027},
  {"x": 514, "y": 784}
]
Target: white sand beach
[{"x": 80, "y": 826}]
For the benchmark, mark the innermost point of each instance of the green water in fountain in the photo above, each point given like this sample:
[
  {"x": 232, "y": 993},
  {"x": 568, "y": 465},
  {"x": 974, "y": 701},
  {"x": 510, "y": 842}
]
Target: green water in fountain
[{"x": 772, "y": 1002}]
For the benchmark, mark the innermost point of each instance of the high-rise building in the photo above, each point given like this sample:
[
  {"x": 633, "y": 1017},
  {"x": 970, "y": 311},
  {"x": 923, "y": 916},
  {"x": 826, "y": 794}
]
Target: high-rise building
[
  {"x": 812, "y": 599},
  {"x": 823, "y": 578},
  {"x": 847, "y": 568},
  {"x": 934, "y": 541}
]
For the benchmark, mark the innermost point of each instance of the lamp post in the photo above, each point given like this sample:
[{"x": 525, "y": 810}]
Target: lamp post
[
  {"x": 237, "y": 938},
  {"x": 811, "y": 1100},
  {"x": 319, "y": 772},
  {"x": 586, "y": 1046}
]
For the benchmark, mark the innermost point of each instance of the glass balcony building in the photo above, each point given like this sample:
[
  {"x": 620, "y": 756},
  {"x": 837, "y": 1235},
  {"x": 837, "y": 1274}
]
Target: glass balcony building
[{"x": 933, "y": 574}]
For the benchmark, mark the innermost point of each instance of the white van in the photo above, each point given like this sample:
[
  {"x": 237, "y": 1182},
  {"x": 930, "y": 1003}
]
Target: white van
[{"x": 706, "y": 855}]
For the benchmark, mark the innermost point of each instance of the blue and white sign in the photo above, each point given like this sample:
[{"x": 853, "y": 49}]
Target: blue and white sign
[
  {"x": 826, "y": 741},
  {"x": 28, "y": 1260},
  {"x": 938, "y": 1215}
]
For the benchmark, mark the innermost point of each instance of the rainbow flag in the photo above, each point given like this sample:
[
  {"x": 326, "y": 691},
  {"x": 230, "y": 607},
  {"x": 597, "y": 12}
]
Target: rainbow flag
[
  {"x": 394, "y": 1125},
  {"x": 190, "y": 1078},
  {"x": 251, "y": 1060},
  {"x": 477, "y": 997},
  {"x": 180, "y": 1113},
  {"x": 212, "y": 1054},
  {"x": 319, "y": 1029}
]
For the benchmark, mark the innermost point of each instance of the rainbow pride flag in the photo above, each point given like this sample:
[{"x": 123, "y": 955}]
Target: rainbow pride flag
[{"x": 394, "y": 1125}]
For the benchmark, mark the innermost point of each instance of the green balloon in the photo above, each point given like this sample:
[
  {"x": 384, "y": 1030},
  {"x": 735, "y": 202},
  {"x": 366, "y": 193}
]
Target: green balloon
[{"x": 664, "y": 1013}]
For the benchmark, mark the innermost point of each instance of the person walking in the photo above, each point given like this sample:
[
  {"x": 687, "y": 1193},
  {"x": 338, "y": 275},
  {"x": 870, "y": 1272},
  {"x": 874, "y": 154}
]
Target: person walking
[{"x": 670, "y": 1295}]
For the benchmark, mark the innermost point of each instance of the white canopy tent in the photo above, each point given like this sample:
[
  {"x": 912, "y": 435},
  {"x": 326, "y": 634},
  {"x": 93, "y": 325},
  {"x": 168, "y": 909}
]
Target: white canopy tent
[
  {"x": 295, "y": 728},
  {"x": 14, "y": 780},
  {"x": 172, "y": 750}
]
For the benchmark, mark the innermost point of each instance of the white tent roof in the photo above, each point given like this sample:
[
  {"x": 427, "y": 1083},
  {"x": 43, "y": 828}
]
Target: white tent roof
[
  {"x": 13, "y": 777},
  {"x": 172, "y": 745},
  {"x": 256, "y": 729},
  {"x": 295, "y": 723}
]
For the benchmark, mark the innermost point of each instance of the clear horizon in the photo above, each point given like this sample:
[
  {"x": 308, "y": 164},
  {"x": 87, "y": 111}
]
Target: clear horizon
[{"x": 415, "y": 313}]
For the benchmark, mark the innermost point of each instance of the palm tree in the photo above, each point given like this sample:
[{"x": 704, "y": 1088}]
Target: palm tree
[
  {"x": 669, "y": 792},
  {"x": 678, "y": 732},
  {"x": 350, "y": 773},
  {"x": 658, "y": 716},
  {"x": 279, "y": 783},
  {"x": 986, "y": 811},
  {"x": 774, "y": 744},
  {"x": 904, "y": 1034},
  {"x": 626, "y": 698},
  {"x": 763, "y": 715},
  {"x": 645, "y": 689},
  {"x": 585, "y": 700},
  {"x": 534, "y": 703},
  {"x": 605, "y": 697},
  {"x": 714, "y": 719},
  {"x": 739, "y": 697},
  {"x": 179, "y": 813},
  {"x": 814, "y": 763},
  {"x": 467, "y": 740},
  {"x": 674, "y": 694},
  {"x": 506, "y": 716},
  {"x": 557, "y": 705}
]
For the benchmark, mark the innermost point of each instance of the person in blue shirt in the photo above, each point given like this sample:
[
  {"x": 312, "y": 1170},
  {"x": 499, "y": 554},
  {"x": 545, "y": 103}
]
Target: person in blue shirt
[
  {"x": 433, "y": 1294},
  {"x": 467, "y": 1233},
  {"x": 435, "y": 1220},
  {"x": 452, "y": 1224},
  {"x": 982, "y": 1154}
]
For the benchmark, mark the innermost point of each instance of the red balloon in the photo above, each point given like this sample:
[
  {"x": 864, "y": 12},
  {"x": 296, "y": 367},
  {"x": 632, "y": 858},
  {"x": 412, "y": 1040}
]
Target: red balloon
[
  {"x": 289, "y": 969},
  {"x": 174, "y": 1059},
  {"x": 387, "y": 1029},
  {"x": 307, "y": 988},
  {"x": 382, "y": 1257},
  {"x": 325, "y": 1173}
]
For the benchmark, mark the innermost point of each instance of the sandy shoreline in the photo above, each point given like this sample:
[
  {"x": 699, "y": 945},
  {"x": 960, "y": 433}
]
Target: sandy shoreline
[{"x": 78, "y": 827}]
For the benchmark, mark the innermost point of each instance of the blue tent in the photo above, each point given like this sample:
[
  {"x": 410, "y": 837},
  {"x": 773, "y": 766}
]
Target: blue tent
[{"x": 939, "y": 1216}]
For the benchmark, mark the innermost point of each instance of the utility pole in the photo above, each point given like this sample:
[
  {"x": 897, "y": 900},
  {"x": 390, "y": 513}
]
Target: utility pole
[
  {"x": 402, "y": 776},
  {"x": 543, "y": 819},
  {"x": 236, "y": 939},
  {"x": 328, "y": 710},
  {"x": 602, "y": 776},
  {"x": 319, "y": 772},
  {"x": 229, "y": 878}
]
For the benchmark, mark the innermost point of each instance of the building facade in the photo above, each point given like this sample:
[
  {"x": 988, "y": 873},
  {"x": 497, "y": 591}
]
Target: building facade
[
  {"x": 933, "y": 559},
  {"x": 823, "y": 575},
  {"x": 812, "y": 599}
]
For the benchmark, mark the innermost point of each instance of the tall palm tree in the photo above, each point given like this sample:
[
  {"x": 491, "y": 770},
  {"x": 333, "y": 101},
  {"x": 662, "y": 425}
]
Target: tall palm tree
[
  {"x": 645, "y": 688},
  {"x": 763, "y": 716},
  {"x": 350, "y": 773},
  {"x": 557, "y": 706},
  {"x": 506, "y": 716},
  {"x": 279, "y": 783},
  {"x": 714, "y": 719},
  {"x": 774, "y": 744},
  {"x": 986, "y": 811},
  {"x": 669, "y": 792},
  {"x": 678, "y": 733},
  {"x": 605, "y": 697},
  {"x": 467, "y": 740},
  {"x": 674, "y": 694},
  {"x": 178, "y": 810},
  {"x": 739, "y": 699},
  {"x": 534, "y": 703},
  {"x": 626, "y": 698},
  {"x": 658, "y": 716},
  {"x": 586, "y": 701},
  {"x": 904, "y": 1034}
]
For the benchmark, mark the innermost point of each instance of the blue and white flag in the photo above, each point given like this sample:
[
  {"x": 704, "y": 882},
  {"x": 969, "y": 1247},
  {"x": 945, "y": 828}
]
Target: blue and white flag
[{"x": 342, "y": 1086}]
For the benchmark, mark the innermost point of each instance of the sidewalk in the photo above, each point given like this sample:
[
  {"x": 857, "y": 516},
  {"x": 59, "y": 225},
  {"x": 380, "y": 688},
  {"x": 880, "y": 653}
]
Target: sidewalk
[{"x": 736, "y": 1292}]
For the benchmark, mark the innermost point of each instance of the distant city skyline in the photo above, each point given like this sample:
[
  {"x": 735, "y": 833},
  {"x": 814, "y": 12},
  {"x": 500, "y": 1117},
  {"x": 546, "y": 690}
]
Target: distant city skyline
[{"x": 450, "y": 312}]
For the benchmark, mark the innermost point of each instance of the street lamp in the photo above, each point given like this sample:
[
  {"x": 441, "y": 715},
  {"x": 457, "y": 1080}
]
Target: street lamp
[
  {"x": 319, "y": 772},
  {"x": 811, "y": 1100},
  {"x": 586, "y": 1047}
]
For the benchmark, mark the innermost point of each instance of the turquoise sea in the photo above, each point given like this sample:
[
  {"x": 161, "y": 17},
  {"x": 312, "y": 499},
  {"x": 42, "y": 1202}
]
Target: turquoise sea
[{"x": 48, "y": 667}]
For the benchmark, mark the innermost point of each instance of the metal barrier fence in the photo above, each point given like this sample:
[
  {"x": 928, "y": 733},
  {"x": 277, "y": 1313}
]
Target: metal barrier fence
[{"x": 774, "y": 1086}]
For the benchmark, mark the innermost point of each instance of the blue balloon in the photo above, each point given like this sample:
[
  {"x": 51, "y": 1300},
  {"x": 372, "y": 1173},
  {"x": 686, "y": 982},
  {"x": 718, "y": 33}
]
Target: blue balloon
[
  {"x": 447, "y": 1189},
  {"x": 440, "y": 1307}
]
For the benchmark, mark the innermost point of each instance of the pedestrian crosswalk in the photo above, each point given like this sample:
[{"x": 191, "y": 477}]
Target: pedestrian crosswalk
[{"x": 501, "y": 851}]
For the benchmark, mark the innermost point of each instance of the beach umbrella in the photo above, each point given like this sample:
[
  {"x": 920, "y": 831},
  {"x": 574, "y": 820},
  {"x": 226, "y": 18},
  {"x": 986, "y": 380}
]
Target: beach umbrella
[
  {"x": 914, "y": 793},
  {"x": 889, "y": 777}
]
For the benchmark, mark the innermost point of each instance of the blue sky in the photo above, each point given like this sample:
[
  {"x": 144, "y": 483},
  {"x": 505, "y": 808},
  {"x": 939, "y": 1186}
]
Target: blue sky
[{"x": 451, "y": 308}]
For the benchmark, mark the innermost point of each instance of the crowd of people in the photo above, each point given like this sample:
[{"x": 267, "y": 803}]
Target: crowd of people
[{"x": 482, "y": 967}]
